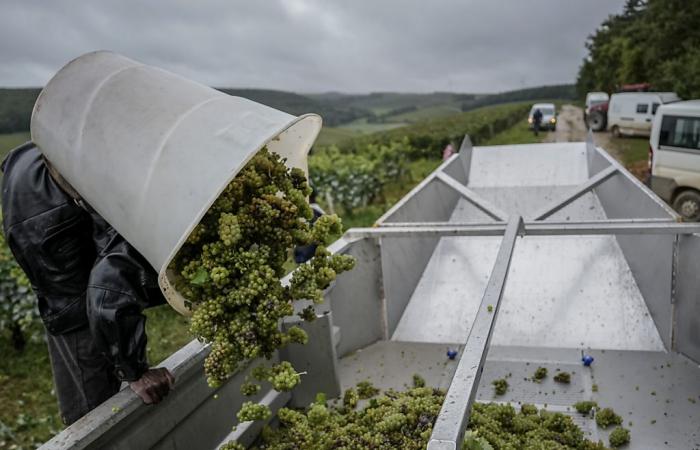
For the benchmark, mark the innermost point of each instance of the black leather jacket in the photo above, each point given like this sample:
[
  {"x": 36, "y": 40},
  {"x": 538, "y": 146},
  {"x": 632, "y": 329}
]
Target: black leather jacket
[{"x": 82, "y": 271}]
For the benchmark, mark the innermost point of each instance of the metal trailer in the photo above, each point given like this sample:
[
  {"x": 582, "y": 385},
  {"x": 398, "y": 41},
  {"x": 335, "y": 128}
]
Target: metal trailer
[{"x": 516, "y": 256}]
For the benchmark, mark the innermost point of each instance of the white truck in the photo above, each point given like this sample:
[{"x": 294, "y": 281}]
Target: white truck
[
  {"x": 674, "y": 157},
  {"x": 631, "y": 113}
]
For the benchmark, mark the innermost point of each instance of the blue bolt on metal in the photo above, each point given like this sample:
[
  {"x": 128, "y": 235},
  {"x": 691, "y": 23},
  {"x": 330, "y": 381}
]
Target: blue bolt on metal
[
  {"x": 587, "y": 360},
  {"x": 452, "y": 354}
]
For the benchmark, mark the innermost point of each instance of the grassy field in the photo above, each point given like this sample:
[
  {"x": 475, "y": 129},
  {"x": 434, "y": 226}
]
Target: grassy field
[
  {"x": 632, "y": 150},
  {"x": 10, "y": 141},
  {"x": 334, "y": 135},
  {"x": 361, "y": 126},
  {"x": 430, "y": 112}
]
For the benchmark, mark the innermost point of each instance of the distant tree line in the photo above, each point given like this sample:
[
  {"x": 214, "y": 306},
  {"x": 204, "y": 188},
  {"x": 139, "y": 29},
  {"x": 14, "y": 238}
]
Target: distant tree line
[
  {"x": 552, "y": 92},
  {"x": 297, "y": 104},
  {"x": 381, "y": 118},
  {"x": 16, "y": 108},
  {"x": 654, "y": 41}
]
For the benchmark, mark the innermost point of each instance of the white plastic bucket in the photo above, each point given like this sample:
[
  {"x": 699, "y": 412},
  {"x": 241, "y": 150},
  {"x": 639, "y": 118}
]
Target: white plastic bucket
[{"x": 150, "y": 151}]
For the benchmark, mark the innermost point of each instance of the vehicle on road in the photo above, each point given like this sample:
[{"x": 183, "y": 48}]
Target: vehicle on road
[
  {"x": 674, "y": 157},
  {"x": 594, "y": 99},
  {"x": 549, "y": 116},
  {"x": 631, "y": 113}
]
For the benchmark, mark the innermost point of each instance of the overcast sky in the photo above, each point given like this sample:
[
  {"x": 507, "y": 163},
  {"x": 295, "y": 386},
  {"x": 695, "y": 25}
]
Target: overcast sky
[{"x": 312, "y": 45}]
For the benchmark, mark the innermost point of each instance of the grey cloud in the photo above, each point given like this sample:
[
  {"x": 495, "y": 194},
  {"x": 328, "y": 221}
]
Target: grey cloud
[{"x": 312, "y": 45}]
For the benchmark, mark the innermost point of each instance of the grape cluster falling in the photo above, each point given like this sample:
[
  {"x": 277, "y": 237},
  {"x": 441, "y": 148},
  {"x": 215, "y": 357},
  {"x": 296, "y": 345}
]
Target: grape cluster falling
[{"x": 229, "y": 271}]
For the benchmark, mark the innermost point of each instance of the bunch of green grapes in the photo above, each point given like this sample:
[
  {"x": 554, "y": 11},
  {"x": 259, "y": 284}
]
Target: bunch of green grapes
[
  {"x": 231, "y": 264},
  {"x": 405, "y": 420}
]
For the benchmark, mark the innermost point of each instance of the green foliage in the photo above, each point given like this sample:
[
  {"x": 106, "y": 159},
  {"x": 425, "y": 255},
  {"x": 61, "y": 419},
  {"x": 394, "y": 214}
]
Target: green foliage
[
  {"x": 16, "y": 109},
  {"x": 655, "y": 41},
  {"x": 550, "y": 92},
  {"x": 355, "y": 173},
  {"x": 356, "y": 179},
  {"x": 428, "y": 138},
  {"x": 19, "y": 316}
]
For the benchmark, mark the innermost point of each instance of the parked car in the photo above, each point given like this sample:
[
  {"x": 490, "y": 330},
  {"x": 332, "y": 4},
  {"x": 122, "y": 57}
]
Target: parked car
[
  {"x": 549, "y": 116},
  {"x": 593, "y": 99},
  {"x": 674, "y": 157},
  {"x": 631, "y": 113}
]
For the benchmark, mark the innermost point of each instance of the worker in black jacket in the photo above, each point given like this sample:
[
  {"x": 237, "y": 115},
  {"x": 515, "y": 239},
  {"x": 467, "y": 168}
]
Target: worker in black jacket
[{"x": 91, "y": 287}]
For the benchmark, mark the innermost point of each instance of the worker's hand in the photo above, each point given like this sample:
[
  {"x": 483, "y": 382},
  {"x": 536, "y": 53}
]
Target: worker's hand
[{"x": 153, "y": 385}]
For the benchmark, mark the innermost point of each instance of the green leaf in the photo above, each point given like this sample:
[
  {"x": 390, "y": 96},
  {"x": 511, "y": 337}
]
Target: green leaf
[{"x": 201, "y": 277}]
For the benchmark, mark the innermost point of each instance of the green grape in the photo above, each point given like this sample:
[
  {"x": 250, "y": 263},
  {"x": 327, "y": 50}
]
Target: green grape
[
  {"x": 350, "y": 398},
  {"x": 248, "y": 389},
  {"x": 606, "y": 417},
  {"x": 585, "y": 407},
  {"x": 284, "y": 377},
  {"x": 308, "y": 314},
  {"x": 317, "y": 414},
  {"x": 297, "y": 335},
  {"x": 500, "y": 386},
  {"x": 253, "y": 411},
  {"x": 230, "y": 266},
  {"x": 365, "y": 390},
  {"x": 540, "y": 374},
  {"x": 229, "y": 229},
  {"x": 619, "y": 437},
  {"x": 563, "y": 377},
  {"x": 404, "y": 420},
  {"x": 418, "y": 381}
]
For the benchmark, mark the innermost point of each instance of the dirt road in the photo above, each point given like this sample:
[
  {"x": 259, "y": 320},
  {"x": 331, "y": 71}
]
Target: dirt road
[{"x": 571, "y": 128}]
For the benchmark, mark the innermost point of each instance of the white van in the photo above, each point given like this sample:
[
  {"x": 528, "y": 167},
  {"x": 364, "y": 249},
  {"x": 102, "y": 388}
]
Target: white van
[
  {"x": 631, "y": 113},
  {"x": 674, "y": 157}
]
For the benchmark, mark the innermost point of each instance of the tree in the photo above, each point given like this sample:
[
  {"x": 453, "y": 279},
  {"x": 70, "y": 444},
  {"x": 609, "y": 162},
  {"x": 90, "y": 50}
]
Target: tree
[{"x": 653, "y": 41}]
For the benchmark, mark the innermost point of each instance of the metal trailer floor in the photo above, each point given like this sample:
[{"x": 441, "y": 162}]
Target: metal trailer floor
[
  {"x": 592, "y": 300},
  {"x": 562, "y": 291},
  {"x": 656, "y": 393}
]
